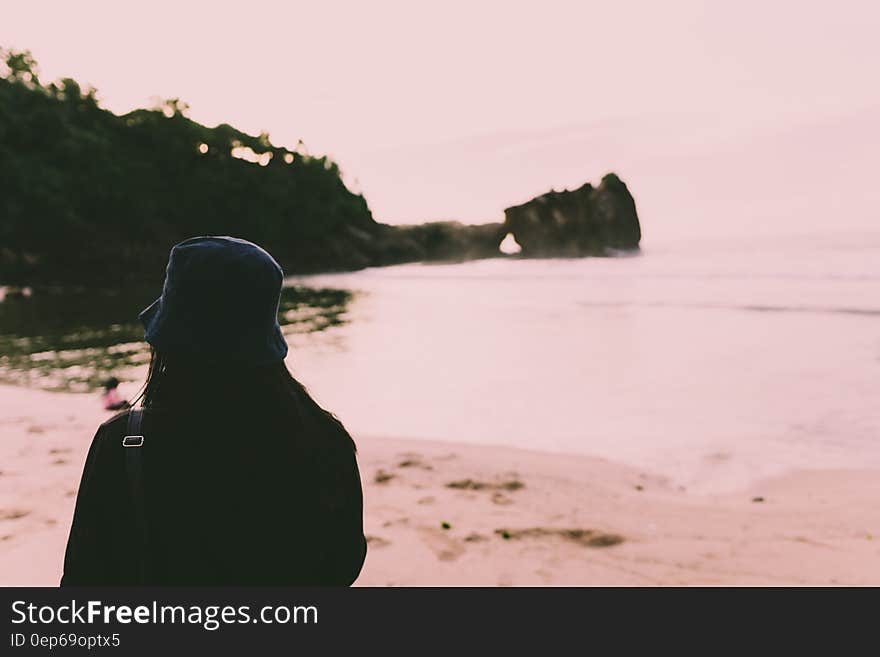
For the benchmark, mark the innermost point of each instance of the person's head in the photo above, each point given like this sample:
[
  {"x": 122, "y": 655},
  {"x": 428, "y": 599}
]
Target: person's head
[
  {"x": 219, "y": 303},
  {"x": 215, "y": 325},
  {"x": 111, "y": 384},
  {"x": 215, "y": 336}
]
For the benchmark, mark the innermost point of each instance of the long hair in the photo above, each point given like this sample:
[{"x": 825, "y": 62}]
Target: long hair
[{"x": 184, "y": 387}]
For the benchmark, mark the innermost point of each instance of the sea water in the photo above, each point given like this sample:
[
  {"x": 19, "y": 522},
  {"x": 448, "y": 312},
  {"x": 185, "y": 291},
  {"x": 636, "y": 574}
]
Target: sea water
[{"x": 713, "y": 363}]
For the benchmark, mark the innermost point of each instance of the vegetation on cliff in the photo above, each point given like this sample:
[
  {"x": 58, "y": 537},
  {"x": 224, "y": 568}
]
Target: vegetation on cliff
[{"x": 91, "y": 195}]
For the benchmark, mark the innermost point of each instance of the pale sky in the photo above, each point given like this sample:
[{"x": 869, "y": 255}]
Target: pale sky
[{"x": 457, "y": 110}]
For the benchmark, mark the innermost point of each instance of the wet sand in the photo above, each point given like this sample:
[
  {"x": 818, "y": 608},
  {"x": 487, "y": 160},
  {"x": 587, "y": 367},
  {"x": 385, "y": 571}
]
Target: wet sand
[{"x": 449, "y": 514}]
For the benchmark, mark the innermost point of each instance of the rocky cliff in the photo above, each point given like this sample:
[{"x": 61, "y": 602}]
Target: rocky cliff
[{"x": 582, "y": 222}]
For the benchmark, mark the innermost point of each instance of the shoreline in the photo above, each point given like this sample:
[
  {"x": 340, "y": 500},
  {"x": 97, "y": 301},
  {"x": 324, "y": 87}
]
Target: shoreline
[{"x": 441, "y": 513}]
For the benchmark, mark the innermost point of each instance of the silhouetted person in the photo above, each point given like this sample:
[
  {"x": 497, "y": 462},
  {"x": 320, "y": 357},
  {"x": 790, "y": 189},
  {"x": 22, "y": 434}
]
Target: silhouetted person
[
  {"x": 110, "y": 397},
  {"x": 241, "y": 476}
]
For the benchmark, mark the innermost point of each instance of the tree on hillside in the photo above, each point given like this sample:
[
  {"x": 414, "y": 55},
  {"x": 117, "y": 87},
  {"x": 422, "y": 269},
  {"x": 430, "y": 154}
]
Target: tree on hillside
[{"x": 91, "y": 195}]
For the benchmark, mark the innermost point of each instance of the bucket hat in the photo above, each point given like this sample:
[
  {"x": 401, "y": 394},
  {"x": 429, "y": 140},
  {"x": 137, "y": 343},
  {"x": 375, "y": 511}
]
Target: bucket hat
[{"x": 219, "y": 300}]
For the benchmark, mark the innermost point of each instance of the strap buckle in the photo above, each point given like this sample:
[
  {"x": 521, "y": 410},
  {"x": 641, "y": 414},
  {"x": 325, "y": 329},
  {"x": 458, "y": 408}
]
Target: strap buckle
[{"x": 133, "y": 441}]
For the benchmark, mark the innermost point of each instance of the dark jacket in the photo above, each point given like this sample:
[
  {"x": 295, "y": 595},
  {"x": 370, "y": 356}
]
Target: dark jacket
[{"x": 230, "y": 500}]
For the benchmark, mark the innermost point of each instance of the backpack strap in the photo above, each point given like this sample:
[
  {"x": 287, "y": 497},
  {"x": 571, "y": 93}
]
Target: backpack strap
[{"x": 134, "y": 442}]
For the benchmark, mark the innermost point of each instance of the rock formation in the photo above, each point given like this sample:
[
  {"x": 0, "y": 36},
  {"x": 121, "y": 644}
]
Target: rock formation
[{"x": 583, "y": 222}]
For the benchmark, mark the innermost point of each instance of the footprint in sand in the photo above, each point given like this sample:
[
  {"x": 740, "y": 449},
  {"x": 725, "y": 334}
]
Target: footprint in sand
[
  {"x": 12, "y": 514},
  {"x": 511, "y": 484},
  {"x": 411, "y": 460},
  {"x": 377, "y": 541},
  {"x": 60, "y": 450},
  {"x": 426, "y": 500},
  {"x": 398, "y": 521},
  {"x": 443, "y": 547},
  {"x": 585, "y": 537},
  {"x": 383, "y": 477},
  {"x": 59, "y": 462}
]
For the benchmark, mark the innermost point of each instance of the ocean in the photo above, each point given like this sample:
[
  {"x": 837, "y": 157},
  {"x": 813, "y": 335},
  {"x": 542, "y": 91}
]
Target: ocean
[{"x": 712, "y": 363}]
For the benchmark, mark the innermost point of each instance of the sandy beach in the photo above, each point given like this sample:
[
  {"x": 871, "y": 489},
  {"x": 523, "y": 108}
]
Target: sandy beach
[{"x": 449, "y": 514}]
